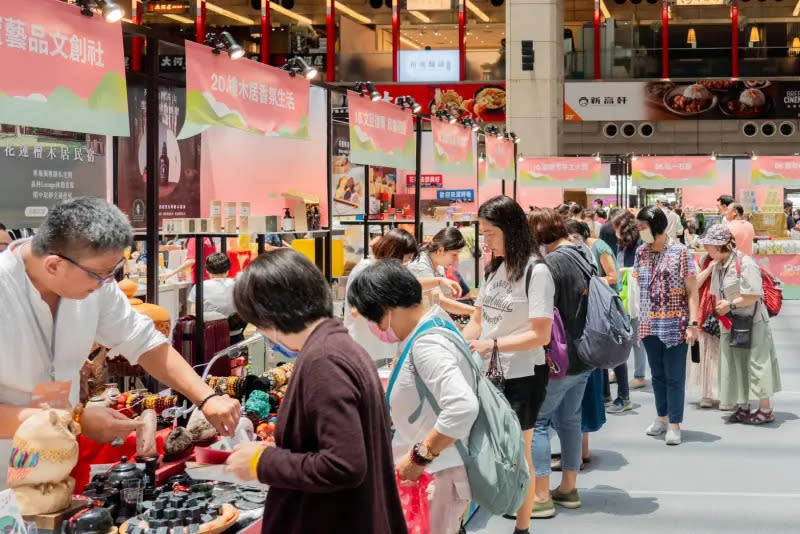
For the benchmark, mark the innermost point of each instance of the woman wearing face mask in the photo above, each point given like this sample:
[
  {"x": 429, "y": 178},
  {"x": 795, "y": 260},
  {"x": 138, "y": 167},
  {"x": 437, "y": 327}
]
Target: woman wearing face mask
[
  {"x": 389, "y": 296},
  {"x": 736, "y": 283},
  {"x": 668, "y": 311},
  {"x": 516, "y": 320},
  {"x": 331, "y": 468},
  {"x": 397, "y": 244}
]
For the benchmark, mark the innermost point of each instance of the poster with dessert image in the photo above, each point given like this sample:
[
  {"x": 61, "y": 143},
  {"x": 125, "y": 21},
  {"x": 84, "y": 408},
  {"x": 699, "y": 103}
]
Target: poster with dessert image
[
  {"x": 480, "y": 102},
  {"x": 660, "y": 172},
  {"x": 348, "y": 179},
  {"x": 670, "y": 100}
]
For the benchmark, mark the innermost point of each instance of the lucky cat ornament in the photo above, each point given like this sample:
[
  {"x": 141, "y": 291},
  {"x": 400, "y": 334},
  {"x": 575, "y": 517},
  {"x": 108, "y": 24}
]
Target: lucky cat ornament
[{"x": 45, "y": 452}]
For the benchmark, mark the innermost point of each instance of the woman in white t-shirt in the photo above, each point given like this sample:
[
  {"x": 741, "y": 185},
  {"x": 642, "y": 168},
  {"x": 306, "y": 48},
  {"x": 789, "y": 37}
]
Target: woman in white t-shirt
[{"x": 515, "y": 319}]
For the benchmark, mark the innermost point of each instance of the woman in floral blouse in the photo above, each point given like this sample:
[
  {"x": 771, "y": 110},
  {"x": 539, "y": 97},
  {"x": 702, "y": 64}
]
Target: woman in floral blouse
[{"x": 667, "y": 317}]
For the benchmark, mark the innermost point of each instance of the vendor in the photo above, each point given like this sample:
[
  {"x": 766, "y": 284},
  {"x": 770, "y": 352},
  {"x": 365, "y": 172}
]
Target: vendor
[{"x": 59, "y": 297}]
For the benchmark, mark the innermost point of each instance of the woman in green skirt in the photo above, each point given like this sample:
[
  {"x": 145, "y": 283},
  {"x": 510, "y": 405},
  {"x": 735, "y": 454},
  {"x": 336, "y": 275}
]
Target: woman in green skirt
[{"x": 744, "y": 373}]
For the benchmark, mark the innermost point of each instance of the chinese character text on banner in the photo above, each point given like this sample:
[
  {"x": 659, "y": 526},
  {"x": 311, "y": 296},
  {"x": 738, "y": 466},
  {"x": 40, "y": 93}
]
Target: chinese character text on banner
[
  {"x": 573, "y": 173},
  {"x": 243, "y": 94},
  {"x": 499, "y": 159},
  {"x": 381, "y": 133},
  {"x": 658, "y": 172},
  {"x": 776, "y": 170},
  {"x": 453, "y": 148},
  {"x": 62, "y": 70}
]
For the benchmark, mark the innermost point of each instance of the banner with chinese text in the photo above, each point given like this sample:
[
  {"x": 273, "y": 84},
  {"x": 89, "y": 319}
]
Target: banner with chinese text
[
  {"x": 659, "y": 172},
  {"x": 426, "y": 181},
  {"x": 453, "y": 151},
  {"x": 499, "y": 158},
  {"x": 242, "y": 94},
  {"x": 570, "y": 173},
  {"x": 42, "y": 168},
  {"x": 68, "y": 69},
  {"x": 776, "y": 170},
  {"x": 381, "y": 133}
]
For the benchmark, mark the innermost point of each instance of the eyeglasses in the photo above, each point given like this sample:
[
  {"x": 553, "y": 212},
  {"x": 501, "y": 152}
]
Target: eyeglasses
[{"x": 99, "y": 277}]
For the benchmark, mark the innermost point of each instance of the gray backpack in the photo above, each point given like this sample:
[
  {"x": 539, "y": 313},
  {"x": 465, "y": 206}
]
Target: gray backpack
[{"x": 494, "y": 452}]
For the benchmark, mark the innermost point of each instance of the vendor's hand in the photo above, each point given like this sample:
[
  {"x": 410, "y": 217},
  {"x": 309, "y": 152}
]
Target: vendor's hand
[
  {"x": 453, "y": 286},
  {"x": 104, "y": 425},
  {"x": 692, "y": 335},
  {"x": 723, "y": 307},
  {"x": 481, "y": 346},
  {"x": 223, "y": 413},
  {"x": 408, "y": 470},
  {"x": 238, "y": 462}
]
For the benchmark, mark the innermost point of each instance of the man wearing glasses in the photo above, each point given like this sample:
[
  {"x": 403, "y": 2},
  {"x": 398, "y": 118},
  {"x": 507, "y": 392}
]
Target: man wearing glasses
[{"x": 59, "y": 297}]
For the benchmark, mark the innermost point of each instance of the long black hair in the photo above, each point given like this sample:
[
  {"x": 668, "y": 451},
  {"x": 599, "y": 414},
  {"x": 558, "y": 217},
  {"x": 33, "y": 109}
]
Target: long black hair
[
  {"x": 504, "y": 213},
  {"x": 449, "y": 238}
]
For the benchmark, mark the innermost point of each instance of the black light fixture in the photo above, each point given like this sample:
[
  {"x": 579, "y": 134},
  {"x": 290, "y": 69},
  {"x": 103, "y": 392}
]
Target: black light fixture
[
  {"x": 514, "y": 138},
  {"x": 110, "y": 10},
  {"x": 493, "y": 130},
  {"x": 368, "y": 89},
  {"x": 408, "y": 102},
  {"x": 219, "y": 41},
  {"x": 445, "y": 115},
  {"x": 482, "y": 157},
  {"x": 297, "y": 65},
  {"x": 521, "y": 157},
  {"x": 469, "y": 122}
]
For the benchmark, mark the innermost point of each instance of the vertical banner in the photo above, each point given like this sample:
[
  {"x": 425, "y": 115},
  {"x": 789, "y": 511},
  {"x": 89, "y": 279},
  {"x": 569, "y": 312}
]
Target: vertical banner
[
  {"x": 570, "y": 173},
  {"x": 381, "y": 133},
  {"x": 452, "y": 148},
  {"x": 61, "y": 69},
  {"x": 348, "y": 179},
  {"x": 42, "y": 168},
  {"x": 499, "y": 158},
  {"x": 659, "y": 172},
  {"x": 178, "y": 171},
  {"x": 776, "y": 170},
  {"x": 246, "y": 95}
]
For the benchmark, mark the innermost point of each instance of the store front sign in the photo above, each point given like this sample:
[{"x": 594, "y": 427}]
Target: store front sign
[
  {"x": 429, "y": 5},
  {"x": 453, "y": 148},
  {"x": 163, "y": 8},
  {"x": 457, "y": 195},
  {"x": 68, "y": 69},
  {"x": 661, "y": 172},
  {"x": 499, "y": 158},
  {"x": 426, "y": 181},
  {"x": 570, "y": 173},
  {"x": 381, "y": 133},
  {"x": 776, "y": 170},
  {"x": 416, "y": 66},
  {"x": 245, "y": 95}
]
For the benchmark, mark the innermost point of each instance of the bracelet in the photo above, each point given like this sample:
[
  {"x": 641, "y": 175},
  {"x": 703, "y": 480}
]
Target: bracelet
[
  {"x": 254, "y": 462},
  {"x": 200, "y": 406}
]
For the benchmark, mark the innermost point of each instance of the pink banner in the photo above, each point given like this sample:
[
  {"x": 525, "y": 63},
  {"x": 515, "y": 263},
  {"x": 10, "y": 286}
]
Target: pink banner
[
  {"x": 786, "y": 267},
  {"x": 453, "y": 151},
  {"x": 242, "y": 94},
  {"x": 776, "y": 170},
  {"x": 61, "y": 70},
  {"x": 381, "y": 134},
  {"x": 574, "y": 173},
  {"x": 659, "y": 172},
  {"x": 499, "y": 158}
]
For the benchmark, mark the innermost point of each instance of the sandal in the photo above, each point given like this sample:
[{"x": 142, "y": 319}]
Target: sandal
[
  {"x": 760, "y": 417},
  {"x": 741, "y": 415}
]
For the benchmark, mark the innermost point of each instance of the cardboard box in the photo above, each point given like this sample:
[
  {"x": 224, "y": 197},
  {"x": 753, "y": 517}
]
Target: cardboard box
[
  {"x": 229, "y": 225},
  {"x": 176, "y": 226},
  {"x": 216, "y": 208},
  {"x": 198, "y": 226},
  {"x": 261, "y": 224},
  {"x": 215, "y": 225},
  {"x": 244, "y": 218}
]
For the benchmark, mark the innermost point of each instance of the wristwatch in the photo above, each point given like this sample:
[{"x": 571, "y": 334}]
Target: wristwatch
[
  {"x": 732, "y": 306},
  {"x": 422, "y": 455}
]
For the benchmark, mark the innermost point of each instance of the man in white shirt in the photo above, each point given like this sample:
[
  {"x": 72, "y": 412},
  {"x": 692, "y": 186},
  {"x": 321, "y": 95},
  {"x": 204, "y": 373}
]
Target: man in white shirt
[
  {"x": 59, "y": 297},
  {"x": 674, "y": 225},
  {"x": 5, "y": 238},
  {"x": 218, "y": 293}
]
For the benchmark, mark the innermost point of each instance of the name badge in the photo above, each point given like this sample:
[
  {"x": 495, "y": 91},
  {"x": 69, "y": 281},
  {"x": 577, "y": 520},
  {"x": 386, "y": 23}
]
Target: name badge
[{"x": 55, "y": 394}]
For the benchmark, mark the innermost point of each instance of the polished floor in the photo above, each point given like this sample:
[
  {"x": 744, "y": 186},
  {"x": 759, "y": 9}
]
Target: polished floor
[{"x": 723, "y": 479}]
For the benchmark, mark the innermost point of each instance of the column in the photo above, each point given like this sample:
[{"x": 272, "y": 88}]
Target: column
[
  {"x": 395, "y": 38},
  {"x": 200, "y": 21},
  {"x": 535, "y": 99},
  {"x": 266, "y": 31},
  {"x": 462, "y": 40},
  {"x": 598, "y": 67},
  {"x": 734, "y": 41},
  {"x": 330, "y": 21},
  {"x": 665, "y": 40}
]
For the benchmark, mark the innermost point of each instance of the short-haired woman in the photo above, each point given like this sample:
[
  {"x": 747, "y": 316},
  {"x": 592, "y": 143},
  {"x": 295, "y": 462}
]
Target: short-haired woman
[
  {"x": 390, "y": 297},
  {"x": 668, "y": 312},
  {"x": 332, "y": 463},
  {"x": 737, "y": 285},
  {"x": 514, "y": 315}
]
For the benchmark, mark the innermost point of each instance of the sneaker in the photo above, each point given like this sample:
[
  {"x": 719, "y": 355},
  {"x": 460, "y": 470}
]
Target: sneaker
[
  {"x": 569, "y": 500},
  {"x": 638, "y": 383},
  {"x": 620, "y": 405},
  {"x": 705, "y": 402},
  {"x": 657, "y": 428},
  {"x": 543, "y": 510},
  {"x": 673, "y": 436},
  {"x": 608, "y": 401}
]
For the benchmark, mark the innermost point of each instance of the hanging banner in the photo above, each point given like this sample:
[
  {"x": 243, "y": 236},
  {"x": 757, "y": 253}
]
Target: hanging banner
[
  {"x": 570, "y": 173},
  {"x": 659, "y": 172},
  {"x": 42, "y": 168},
  {"x": 242, "y": 94},
  {"x": 453, "y": 151},
  {"x": 499, "y": 158},
  {"x": 381, "y": 133},
  {"x": 484, "y": 103},
  {"x": 776, "y": 170},
  {"x": 68, "y": 69}
]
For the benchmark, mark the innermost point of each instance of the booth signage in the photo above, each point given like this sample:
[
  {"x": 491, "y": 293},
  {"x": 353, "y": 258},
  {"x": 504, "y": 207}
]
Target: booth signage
[
  {"x": 456, "y": 195},
  {"x": 499, "y": 158},
  {"x": 172, "y": 63},
  {"x": 416, "y": 66},
  {"x": 574, "y": 173},
  {"x": 659, "y": 172},
  {"x": 776, "y": 170},
  {"x": 453, "y": 148},
  {"x": 426, "y": 181},
  {"x": 381, "y": 133},
  {"x": 68, "y": 69},
  {"x": 169, "y": 7},
  {"x": 243, "y": 94}
]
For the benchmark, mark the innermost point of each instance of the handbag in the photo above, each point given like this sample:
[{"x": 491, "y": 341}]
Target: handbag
[
  {"x": 495, "y": 371},
  {"x": 741, "y": 331}
]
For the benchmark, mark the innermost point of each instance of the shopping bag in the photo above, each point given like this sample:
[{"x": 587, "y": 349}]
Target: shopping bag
[{"x": 414, "y": 500}]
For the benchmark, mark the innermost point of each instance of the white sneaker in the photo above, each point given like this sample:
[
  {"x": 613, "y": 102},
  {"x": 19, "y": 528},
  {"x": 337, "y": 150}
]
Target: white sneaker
[
  {"x": 657, "y": 428},
  {"x": 673, "y": 436}
]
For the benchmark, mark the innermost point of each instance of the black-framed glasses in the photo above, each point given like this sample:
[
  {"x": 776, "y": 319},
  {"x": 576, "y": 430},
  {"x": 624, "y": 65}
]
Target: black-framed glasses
[{"x": 102, "y": 278}]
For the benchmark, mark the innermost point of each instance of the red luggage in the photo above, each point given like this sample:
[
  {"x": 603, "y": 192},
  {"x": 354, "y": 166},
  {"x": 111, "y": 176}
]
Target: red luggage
[{"x": 217, "y": 338}]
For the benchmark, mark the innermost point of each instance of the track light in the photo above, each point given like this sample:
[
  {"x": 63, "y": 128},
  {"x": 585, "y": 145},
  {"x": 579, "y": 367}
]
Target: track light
[
  {"x": 469, "y": 122},
  {"x": 110, "y": 10},
  {"x": 521, "y": 158},
  {"x": 368, "y": 89},
  {"x": 713, "y": 156},
  {"x": 482, "y": 157},
  {"x": 446, "y": 116},
  {"x": 408, "y": 102},
  {"x": 493, "y": 130},
  {"x": 753, "y": 156},
  {"x": 297, "y": 65},
  {"x": 224, "y": 41},
  {"x": 514, "y": 138}
]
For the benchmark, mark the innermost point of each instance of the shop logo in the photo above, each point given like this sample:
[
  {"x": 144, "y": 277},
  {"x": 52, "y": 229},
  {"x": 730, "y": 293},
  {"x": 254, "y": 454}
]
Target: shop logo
[
  {"x": 583, "y": 101},
  {"x": 137, "y": 210}
]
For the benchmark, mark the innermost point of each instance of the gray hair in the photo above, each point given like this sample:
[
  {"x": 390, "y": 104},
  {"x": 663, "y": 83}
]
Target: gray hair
[{"x": 83, "y": 225}]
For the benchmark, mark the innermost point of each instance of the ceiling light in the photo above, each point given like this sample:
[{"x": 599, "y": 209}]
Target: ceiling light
[
  {"x": 424, "y": 18},
  {"x": 110, "y": 10},
  {"x": 411, "y": 42},
  {"x": 224, "y": 41},
  {"x": 230, "y": 14},
  {"x": 477, "y": 11},
  {"x": 277, "y": 8},
  {"x": 514, "y": 138},
  {"x": 604, "y": 10},
  {"x": 754, "y": 156},
  {"x": 368, "y": 89},
  {"x": 408, "y": 102},
  {"x": 521, "y": 158},
  {"x": 597, "y": 157},
  {"x": 352, "y": 14},
  {"x": 469, "y": 122},
  {"x": 179, "y": 18}
]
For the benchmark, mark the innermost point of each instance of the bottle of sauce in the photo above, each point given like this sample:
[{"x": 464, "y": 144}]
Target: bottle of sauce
[
  {"x": 163, "y": 166},
  {"x": 288, "y": 221}
]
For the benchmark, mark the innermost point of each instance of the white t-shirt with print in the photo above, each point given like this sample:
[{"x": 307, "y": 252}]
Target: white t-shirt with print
[{"x": 506, "y": 310}]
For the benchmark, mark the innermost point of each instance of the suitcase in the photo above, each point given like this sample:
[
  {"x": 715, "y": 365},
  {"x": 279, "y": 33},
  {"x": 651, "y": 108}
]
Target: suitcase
[{"x": 217, "y": 338}]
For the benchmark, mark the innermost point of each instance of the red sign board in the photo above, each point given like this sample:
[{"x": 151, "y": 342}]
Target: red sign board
[
  {"x": 426, "y": 180},
  {"x": 163, "y": 8},
  {"x": 484, "y": 103}
]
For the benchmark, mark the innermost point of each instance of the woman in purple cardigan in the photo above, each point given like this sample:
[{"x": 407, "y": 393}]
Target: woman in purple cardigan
[{"x": 331, "y": 469}]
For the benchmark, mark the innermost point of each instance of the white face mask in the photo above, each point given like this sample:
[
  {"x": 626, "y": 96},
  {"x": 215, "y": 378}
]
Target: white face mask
[{"x": 647, "y": 236}]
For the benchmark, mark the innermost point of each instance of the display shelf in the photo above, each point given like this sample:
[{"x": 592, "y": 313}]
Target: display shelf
[{"x": 375, "y": 222}]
